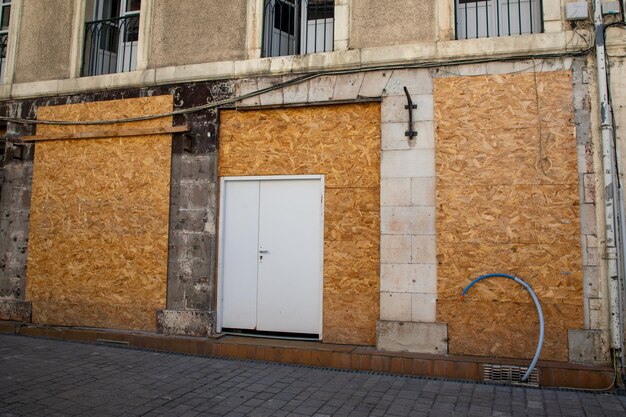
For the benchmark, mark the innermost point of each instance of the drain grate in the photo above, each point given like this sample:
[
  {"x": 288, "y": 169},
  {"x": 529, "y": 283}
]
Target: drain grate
[
  {"x": 112, "y": 342},
  {"x": 509, "y": 374}
]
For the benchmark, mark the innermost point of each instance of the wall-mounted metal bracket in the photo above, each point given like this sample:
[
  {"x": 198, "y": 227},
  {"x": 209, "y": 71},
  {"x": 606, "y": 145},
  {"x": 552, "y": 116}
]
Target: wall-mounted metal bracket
[
  {"x": 410, "y": 107},
  {"x": 18, "y": 151}
]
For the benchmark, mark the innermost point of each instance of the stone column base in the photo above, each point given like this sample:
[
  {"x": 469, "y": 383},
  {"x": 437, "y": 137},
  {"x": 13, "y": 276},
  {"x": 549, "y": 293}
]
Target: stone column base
[
  {"x": 588, "y": 346},
  {"x": 185, "y": 322},
  {"x": 16, "y": 310},
  {"x": 407, "y": 336}
]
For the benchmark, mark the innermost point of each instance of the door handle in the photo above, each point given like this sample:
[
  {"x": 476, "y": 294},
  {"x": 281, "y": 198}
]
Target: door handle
[{"x": 264, "y": 251}]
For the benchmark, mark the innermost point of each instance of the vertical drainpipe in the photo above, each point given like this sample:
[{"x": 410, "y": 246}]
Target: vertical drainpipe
[{"x": 611, "y": 195}]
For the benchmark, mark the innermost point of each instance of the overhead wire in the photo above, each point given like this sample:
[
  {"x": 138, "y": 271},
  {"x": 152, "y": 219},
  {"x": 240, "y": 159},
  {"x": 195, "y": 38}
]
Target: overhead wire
[{"x": 233, "y": 100}]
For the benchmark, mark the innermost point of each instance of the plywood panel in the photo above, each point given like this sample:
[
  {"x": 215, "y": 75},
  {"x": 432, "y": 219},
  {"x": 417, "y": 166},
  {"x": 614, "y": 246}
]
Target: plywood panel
[
  {"x": 553, "y": 271},
  {"x": 507, "y": 201},
  {"x": 350, "y": 318},
  {"x": 482, "y": 214},
  {"x": 343, "y": 143},
  {"x": 331, "y": 140},
  {"x": 509, "y": 329},
  {"x": 99, "y": 219}
]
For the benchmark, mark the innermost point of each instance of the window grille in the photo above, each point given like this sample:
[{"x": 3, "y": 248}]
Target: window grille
[
  {"x": 5, "y": 17},
  {"x": 491, "y": 18},
  {"x": 293, "y": 27},
  {"x": 111, "y": 40}
]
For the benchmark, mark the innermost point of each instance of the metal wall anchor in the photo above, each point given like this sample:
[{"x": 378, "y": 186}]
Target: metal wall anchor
[{"x": 410, "y": 107}]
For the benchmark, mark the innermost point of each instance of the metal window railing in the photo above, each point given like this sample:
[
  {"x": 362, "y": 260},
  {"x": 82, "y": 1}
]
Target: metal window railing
[
  {"x": 293, "y": 27},
  {"x": 110, "y": 45},
  {"x": 492, "y": 18},
  {"x": 4, "y": 40}
]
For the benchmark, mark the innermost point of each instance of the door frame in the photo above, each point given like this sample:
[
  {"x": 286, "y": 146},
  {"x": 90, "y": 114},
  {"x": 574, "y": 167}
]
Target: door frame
[{"x": 220, "y": 240}]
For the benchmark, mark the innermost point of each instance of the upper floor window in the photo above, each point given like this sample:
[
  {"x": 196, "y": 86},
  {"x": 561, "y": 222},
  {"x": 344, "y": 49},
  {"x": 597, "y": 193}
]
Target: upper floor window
[
  {"x": 489, "y": 18},
  {"x": 5, "y": 17},
  {"x": 111, "y": 39},
  {"x": 292, "y": 27}
]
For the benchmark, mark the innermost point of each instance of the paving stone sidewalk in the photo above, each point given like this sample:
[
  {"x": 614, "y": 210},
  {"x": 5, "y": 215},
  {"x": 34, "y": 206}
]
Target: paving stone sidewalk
[{"x": 40, "y": 377}]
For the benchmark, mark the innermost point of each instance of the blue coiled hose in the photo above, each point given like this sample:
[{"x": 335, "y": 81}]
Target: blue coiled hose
[{"x": 539, "y": 311}]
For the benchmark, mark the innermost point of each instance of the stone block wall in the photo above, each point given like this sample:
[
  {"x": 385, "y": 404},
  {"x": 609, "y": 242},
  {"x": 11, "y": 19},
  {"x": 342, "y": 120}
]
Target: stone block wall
[
  {"x": 14, "y": 216},
  {"x": 191, "y": 265}
]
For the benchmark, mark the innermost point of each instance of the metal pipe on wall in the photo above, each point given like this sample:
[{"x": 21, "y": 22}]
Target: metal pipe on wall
[{"x": 614, "y": 239}]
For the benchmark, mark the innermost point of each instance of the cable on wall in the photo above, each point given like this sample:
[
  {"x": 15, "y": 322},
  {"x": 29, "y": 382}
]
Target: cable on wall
[{"x": 298, "y": 80}]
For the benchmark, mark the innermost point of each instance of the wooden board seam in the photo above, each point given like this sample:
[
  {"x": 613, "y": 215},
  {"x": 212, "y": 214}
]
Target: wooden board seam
[{"x": 108, "y": 134}]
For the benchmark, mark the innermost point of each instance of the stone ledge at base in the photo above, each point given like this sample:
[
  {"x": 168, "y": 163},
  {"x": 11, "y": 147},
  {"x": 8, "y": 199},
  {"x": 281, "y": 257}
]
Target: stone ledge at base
[
  {"x": 16, "y": 310},
  {"x": 309, "y": 353},
  {"x": 588, "y": 346},
  {"x": 185, "y": 322},
  {"x": 407, "y": 336}
]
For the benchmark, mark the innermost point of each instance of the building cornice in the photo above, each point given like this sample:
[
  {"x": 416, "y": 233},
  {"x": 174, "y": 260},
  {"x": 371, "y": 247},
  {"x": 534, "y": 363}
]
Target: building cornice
[{"x": 434, "y": 53}]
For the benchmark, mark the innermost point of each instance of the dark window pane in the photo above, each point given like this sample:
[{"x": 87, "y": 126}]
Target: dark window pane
[
  {"x": 6, "y": 16},
  {"x": 321, "y": 9},
  {"x": 110, "y": 9},
  {"x": 133, "y": 5},
  {"x": 284, "y": 17},
  {"x": 131, "y": 32},
  {"x": 109, "y": 37}
]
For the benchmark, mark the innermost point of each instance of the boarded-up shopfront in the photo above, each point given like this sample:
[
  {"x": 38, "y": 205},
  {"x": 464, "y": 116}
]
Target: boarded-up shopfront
[
  {"x": 341, "y": 143},
  {"x": 98, "y": 238},
  {"x": 508, "y": 201}
]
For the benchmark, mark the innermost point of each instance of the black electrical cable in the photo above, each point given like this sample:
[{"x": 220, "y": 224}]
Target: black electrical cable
[{"x": 298, "y": 80}]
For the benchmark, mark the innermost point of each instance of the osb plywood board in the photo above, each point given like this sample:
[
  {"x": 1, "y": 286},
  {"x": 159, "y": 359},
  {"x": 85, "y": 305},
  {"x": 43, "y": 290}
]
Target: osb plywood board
[
  {"x": 553, "y": 271},
  {"x": 507, "y": 201},
  {"x": 98, "y": 235},
  {"x": 510, "y": 122},
  {"x": 515, "y": 150},
  {"x": 341, "y": 142},
  {"x": 543, "y": 214},
  {"x": 337, "y": 141},
  {"x": 346, "y": 319},
  {"x": 510, "y": 327}
]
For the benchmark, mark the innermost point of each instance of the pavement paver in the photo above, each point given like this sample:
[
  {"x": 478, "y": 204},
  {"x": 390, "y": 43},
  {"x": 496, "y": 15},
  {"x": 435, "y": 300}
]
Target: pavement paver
[{"x": 40, "y": 377}]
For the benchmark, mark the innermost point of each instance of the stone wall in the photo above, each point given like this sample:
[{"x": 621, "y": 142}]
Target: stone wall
[{"x": 192, "y": 202}]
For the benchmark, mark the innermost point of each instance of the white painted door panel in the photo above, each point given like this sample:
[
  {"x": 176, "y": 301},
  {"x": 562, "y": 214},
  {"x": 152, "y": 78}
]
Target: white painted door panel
[
  {"x": 290, "y": 284},
  {"x": 240, "y": 252},
  {"x": 271, "y": 254}
]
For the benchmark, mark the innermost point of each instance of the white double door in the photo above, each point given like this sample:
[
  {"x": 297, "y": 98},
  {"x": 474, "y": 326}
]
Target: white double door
[{"x": 271, "y": 250}]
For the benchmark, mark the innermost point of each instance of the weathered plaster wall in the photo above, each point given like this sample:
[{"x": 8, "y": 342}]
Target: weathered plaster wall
[
  {"x": 44, "y": 40},
  {"x": 192, "y": 256},
  {"x": 392, "y": 22},
  {"x": 14, "y": 217},
  {"x": 196, "y": 31}
]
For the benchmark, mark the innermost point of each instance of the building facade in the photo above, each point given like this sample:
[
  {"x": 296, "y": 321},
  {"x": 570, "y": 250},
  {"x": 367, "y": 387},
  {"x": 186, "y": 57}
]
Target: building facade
[{"x": 334, "y": 170}]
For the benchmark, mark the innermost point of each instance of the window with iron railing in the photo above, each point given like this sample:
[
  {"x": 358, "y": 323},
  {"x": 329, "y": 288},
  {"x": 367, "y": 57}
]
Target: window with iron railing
[
  {"x": 293, "y": 27},
  {"x": 112, "y": 38},
  {"x": 492, "y": 18},
  {"x": 5, "y": 17}
]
